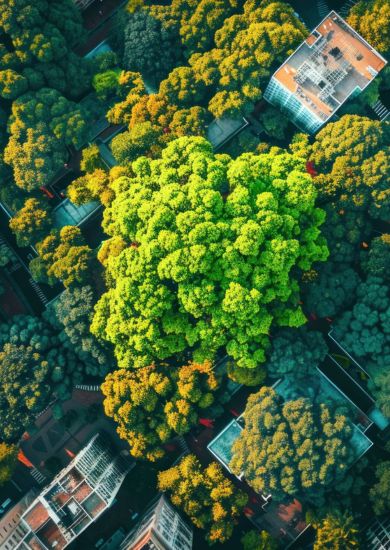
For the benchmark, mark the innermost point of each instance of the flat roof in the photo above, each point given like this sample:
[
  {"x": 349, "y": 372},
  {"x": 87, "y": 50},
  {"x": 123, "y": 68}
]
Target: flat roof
[{"x": 329, "y": 66}]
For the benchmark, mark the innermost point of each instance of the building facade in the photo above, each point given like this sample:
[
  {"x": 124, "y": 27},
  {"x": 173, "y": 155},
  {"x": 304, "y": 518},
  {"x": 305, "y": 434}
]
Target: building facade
[
  {"x": 11, "y": 532},
  {"x": 161, "y": 528},
  {"x": 75, "y": 498},
  {"x": 377, "y": 534},
  {"x": 333, "y": 64}
]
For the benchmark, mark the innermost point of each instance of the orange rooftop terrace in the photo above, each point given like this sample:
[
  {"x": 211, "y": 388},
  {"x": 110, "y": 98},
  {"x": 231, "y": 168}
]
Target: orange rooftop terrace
[{"x": 331, "y": 65}]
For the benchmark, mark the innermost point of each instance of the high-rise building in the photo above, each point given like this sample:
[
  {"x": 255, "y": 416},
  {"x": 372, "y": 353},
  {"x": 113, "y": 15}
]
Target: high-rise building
[
  {"x": 333, "y": 64},
  {"x": 161, "y": 528},
  {"x": 75, "y": 498},
  {"x": 377, "y": 534},
  {"x": 11, "y": 532}
]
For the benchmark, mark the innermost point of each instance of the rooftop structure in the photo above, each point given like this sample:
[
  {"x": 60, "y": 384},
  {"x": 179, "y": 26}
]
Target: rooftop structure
[
  {"x": 333, "y": 64},
  {"x": 11, "y": 533},
  {"x": 222, "y": 130},
  {"x": 161, "y": 528},
  {"x": 377, "y": 534},
  {"x": 75, "y": 498}
]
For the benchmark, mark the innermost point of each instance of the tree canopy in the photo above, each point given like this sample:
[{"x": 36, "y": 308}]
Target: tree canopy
[
  {"x": 301, "y": 447},
  {"x": 63, "y": 256},
  {"x": 380, "y": 491},
  {"x": 152, "y": 404},
  {"x": 337, "y": 531},
  {"x": 214, "y": 245},
  {"x": 8, "y": 458},
  {"x": 371, "y": 20},
  {"x": 31, "y": 223},
  {"x": 210, "y": 499}
]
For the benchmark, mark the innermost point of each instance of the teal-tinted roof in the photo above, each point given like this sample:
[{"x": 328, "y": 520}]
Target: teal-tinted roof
[
  {"x": 68, "y": 213},
  {"x": 221, "y": 446}
]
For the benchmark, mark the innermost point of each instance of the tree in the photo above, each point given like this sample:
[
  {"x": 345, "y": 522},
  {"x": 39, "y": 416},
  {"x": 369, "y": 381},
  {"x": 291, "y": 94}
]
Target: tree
[
  {"x": 31, "y": 223},
  {"x": 183, "y": 88},
  {"x": 37, "y": 362},
  {"x": 214, "y": 247},
  {"x": 127, "y": 146},
  {"x": 378, "y": 261},
  {"x": 363, "y": 330},
  {"x": 301, "y": 447},
  {"x": 332, "y": 291},
  {"x": 370, "y": 19},
  {"x": 150, "y": 48},
  {"x": 254, "y": 540},
  {"x": 8, "y": 458},
  {"x": 93, "y": 186},
  {"x": 296, "y": 352},
  {"x": 152, "y": 404},
  {"x": 36, "y": 47},
  {"x": 64, "y": 256},
  {"x": 25, "y": 388},
  {"x": 210, "y": 500},
  {"x": 352, "y": 158},
  {"x": 6, "y": 255},
  {"x": 106, "y": 84},
  {"x": 91, "y": 159},
  {"x": 248, "y": 47},
  {"x": 41, "y": 126},
  {"x": 337, "y": 531},
  {"x": 73, "y": 311},
  {"x": 380, "y": 492}
]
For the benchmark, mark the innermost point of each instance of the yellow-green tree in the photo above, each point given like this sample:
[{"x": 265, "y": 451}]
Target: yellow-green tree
[
  {"x": 214, "y": 246},
  {"x": 8, "y": 458},
  {"x": 153, "y": 404},
  {"x": 31, "y": 223},
  {"x": 210, "y": 499},
  {"x": 337, "y": 531},
  {"x": 301, "y": 447},
  {"x": 371, "y": 20}
]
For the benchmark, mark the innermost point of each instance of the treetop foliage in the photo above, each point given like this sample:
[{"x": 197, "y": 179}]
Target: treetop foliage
[
  {"x": 213, "y": 246},
  {"x": 209, "y": 498},
  {"x": 371, "y": 20},
  {"x": 301, "y": 447},
  {"x": 154, "y": 403}
]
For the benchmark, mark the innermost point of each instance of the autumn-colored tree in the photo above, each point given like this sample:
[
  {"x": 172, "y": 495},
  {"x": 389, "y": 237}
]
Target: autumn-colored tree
[
  {"x": 64, "y": 256},
  {"x": 31, "y": 223},
  {"x": 301, "y": 447},
  {"x": 91, "y": 159},
  {"x": 337, "y": 531},
  {"x": 213, "y": 246},
  {"x": 139, "y": 140},
  {"x": 152, "y": 404},
  {"x": 8, "y": 458},
  {"x": 209, "y": 499},
  {"x": 371, "y": 20}
]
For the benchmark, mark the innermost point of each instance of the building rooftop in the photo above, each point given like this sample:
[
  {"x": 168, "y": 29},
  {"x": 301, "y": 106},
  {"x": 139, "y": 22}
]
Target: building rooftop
[
  {"x": 75, "y": 497},
  {"x": 332, "y": 64}
]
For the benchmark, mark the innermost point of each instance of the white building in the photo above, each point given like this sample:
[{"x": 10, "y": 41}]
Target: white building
[
  {"x": 161, "y": 528},
  {"x": 333, "y": 64},
  {"x": 75, "y": 498}
]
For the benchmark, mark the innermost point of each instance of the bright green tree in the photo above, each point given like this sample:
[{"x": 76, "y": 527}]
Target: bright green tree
[
  {"x": 210, "y": 499},
  {"x": 301, "y": 447},
  {"x": 216, "y": 245}
]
